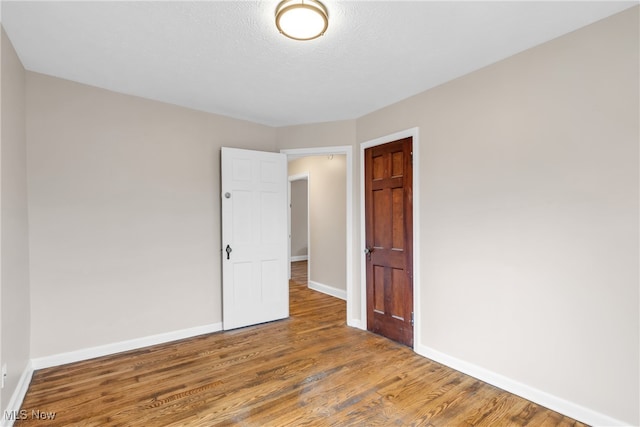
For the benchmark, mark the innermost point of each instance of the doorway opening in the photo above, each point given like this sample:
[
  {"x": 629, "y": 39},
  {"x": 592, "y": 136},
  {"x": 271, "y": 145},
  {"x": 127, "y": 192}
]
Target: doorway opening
[
  {"x": 298, "y": 219},
  {"x": 345, "y": 239}
]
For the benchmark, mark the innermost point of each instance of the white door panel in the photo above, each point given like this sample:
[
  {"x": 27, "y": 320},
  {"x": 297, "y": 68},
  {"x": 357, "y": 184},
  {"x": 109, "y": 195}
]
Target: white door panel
[{"x": 255, "y": 288}]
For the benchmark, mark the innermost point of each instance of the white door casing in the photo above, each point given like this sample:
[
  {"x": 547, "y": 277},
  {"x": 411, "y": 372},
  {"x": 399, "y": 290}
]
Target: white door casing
[{"x": 255, "y": 287}]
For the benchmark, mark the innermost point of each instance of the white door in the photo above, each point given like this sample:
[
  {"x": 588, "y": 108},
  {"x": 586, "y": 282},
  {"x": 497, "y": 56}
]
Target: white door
[{"x": 255, "y": 288}]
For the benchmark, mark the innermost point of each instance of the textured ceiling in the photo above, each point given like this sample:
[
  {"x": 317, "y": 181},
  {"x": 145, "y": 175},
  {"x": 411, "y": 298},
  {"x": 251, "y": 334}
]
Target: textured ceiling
[{"x": 226, "y": 57}]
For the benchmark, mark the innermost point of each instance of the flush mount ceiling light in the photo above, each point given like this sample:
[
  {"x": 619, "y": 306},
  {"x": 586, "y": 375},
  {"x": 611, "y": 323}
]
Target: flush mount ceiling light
[{"x": 302, "y": 19}]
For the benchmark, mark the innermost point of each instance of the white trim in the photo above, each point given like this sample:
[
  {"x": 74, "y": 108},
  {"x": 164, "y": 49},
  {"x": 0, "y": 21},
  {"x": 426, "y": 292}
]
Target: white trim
[
  {"x": 18, "y": 395},
  {"x": 355, "y": 323},
  {"x": 347, "y": 150},
  {"x": 414, "y": 134},
  {"x": 540, "y": 397},
  {"x": 299, "y": 176},
  {"x": 299, "y": 258},
  {"x": 118, "y": 347},
  {"x": 296, "y": 153},
  {"x": 329, "y": 290}
]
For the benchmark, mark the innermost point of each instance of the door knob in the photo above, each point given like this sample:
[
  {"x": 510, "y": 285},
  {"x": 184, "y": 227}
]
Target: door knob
[
  {"x": 368, "y": 252},
  {"x": 228, "y": 251}
]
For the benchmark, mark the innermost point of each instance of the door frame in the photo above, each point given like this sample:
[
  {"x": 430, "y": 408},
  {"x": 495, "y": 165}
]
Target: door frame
[
  {"x": 292, "y": 178},
  {"x": 346, "y": 150},
  {"x": 414, "y": 134}
]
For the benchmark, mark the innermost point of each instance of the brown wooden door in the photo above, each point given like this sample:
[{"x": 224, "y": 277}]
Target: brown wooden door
[{"x": 389, "y": 240}]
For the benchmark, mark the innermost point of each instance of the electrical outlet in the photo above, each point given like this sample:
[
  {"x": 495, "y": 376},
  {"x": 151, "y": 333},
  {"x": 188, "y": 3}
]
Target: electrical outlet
[{"x": 4, "y": 374}]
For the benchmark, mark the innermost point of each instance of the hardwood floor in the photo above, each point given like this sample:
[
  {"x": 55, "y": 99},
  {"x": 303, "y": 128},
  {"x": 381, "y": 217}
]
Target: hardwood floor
[{"x": 309, "y": 369}]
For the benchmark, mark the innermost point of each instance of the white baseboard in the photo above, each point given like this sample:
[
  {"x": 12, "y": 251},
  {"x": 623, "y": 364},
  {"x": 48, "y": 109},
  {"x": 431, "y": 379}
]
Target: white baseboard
[
  {"x": 545, "y": 399},
  {"x": 12, "y": 410},
  {"x": 355, "y": 323},
  {"x": 329, "y": 290},
  {"x": 118, "y": 347},
  {"x": 299, "y": 258}
]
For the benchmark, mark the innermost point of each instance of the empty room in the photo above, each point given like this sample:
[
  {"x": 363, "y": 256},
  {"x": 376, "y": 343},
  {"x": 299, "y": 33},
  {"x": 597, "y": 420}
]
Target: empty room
[{"x": 470, "y": 172}]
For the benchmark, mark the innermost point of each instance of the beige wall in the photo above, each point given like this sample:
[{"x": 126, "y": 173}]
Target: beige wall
[
  {"x": 14, "y": 228},
  {"x": 327, "y": 217},
  {"x": 124, "y": 214},
  {"x": 529, "y": 215},
  {"x": 314, "y": 135},
  {"x": 299, "y": 218}
]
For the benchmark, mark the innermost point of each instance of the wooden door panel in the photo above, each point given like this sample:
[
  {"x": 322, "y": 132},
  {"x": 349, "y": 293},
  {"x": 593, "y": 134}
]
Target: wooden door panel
[
  {"x": 397, "y": 219},
  {"x": 381, "y": 228},
  {"x": 379, "y": 166},
  {"x": 397, "y": 164},
  {"x": 378, "y": 289},
  {"x": 397, "y": 294},
  {"x": 389, "y": 237}
]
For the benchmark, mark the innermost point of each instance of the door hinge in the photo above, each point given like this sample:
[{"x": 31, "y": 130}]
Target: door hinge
[{"x": 412, "y": 318}]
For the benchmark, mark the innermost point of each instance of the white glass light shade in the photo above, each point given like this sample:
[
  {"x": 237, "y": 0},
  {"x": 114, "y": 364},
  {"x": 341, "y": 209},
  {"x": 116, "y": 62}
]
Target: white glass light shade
[{"x": 302, "y": 19}]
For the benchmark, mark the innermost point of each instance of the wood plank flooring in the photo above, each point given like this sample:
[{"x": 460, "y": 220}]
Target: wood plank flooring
[{"x": 309, "y": 370}]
